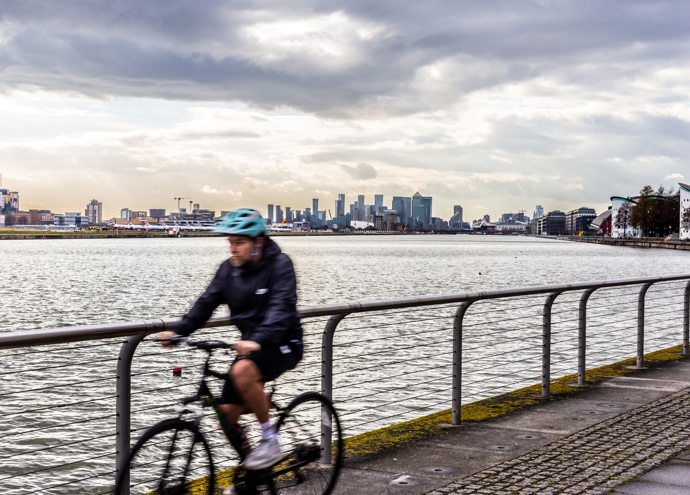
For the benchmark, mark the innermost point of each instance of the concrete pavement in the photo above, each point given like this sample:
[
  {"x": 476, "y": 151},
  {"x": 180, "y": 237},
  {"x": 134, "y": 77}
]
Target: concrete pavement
[{"x": 625, "y": 428}]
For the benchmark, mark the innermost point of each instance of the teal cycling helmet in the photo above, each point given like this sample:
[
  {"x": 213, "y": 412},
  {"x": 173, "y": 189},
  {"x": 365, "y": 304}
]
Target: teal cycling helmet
[{"x": 244, "y": 221}]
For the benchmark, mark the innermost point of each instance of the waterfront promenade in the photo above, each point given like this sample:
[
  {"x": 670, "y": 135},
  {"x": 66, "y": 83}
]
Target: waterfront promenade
[{"x": 610, "y": 437}]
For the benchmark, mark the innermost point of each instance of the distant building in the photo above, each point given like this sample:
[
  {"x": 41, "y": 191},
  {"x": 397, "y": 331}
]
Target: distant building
[
  {"x": 553, "y": 223},
  {"x": 538, "y": 212},
  {"x": 421, "y": 210},
  {"x": 579, "y": 220},
  {"x": 71, "y": 218},
  {"x": 40, "y": 217},
  {"x": 403, "y": 206},
  {"x": 602, "y": 224},
  {"x": 378, "y": 199},
  {"x": 455, "y": 222},
  {"x": 279, "y": 214},
  {"x": 270, "y": 213},
  {"x": 315, "y": 206},
  {"x": 94, "y": 212},
  {"x": 684, "y": 231},
  {"x": 392, "y": 221},
  {"x": 355, "y": 224},
  {"x": 126, "y": 213},
  {"x": 9, "y": 200},
  {"x": 157, "y": 213},
  {"x": 288, "y": 214},
  {"x": 620, "y": 218},
  {"x": 340, "y": 206}
]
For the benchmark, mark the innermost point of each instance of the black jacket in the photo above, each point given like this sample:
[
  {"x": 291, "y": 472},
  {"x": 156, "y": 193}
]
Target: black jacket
[{"x": 262, "y": 298}]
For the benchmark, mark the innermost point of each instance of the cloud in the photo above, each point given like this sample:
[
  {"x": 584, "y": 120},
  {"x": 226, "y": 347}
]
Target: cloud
[
  {"x": 674, "y": 176},
  {"x": 212, "y": 190},
  {"x": 336, "y": 59},
  {"x": 469, "y": 102},
  {"x": 362, "y": 171},
  {"x": 499, "y": 158}
]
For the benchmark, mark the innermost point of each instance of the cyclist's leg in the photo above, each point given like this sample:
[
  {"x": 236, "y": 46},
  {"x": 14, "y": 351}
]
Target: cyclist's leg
[
  {"x": 249, "y": 384},
  {"x": 232, "y": 407}
]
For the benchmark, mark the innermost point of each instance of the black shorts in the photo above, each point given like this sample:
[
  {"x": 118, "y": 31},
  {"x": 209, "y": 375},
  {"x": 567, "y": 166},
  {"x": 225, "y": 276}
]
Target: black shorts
[{"x": 272, "y": 362}]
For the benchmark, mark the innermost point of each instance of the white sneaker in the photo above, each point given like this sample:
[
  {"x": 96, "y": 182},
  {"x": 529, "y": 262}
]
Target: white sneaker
[
  {"x": 230, "y": 490},
  {"x": 264, "y": 455}
]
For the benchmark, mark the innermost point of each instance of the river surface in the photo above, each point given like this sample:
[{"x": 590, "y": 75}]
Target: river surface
[{"x": 57, "y": 402}]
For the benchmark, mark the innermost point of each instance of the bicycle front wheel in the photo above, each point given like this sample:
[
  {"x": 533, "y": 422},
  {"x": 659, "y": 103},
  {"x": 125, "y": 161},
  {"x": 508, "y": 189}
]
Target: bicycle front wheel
[
  {"x": 171, "y": 458},
  {"x": 300, "y": 431}
]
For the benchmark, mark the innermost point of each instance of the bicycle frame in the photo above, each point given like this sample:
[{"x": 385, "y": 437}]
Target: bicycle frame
[{"x": 206, "y": 398}]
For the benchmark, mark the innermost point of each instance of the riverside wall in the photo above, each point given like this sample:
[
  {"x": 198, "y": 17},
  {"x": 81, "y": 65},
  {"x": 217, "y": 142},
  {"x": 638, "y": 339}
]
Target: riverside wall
[{"x": 641, "y": 243}]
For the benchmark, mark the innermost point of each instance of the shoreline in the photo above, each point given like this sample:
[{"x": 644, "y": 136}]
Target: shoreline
[
  {"x": 638, "y": 243},
  {"x": 29, "y": 235}
]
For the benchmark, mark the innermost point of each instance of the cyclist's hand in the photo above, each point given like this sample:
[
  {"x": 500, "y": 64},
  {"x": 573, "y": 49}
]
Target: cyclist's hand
[
  {"x": 164, "y": 338},
  {"x": 246, "y": 347}
]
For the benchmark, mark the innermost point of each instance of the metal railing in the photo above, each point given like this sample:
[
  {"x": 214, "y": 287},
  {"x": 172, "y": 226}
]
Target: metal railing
[{"x": 488, "y": 342}]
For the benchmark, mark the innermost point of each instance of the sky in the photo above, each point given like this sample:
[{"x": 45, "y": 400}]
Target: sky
[{"x": 497, "y": 105}]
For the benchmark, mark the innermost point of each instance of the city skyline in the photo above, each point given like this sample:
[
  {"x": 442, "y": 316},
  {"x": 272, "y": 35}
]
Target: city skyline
[{"x": 511, "y": 105}]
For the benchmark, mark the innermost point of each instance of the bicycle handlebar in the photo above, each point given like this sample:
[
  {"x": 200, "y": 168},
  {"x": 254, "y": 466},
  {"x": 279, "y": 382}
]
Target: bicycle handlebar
[{"x": 208, "y": 345}]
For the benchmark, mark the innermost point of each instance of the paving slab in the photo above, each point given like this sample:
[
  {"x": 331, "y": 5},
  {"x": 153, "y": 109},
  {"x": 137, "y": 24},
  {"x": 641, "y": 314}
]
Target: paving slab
[
  {"x": 673, "y": 473},
  {"x": 645, "y": 488},
  {"x": 623, "y": 429}
]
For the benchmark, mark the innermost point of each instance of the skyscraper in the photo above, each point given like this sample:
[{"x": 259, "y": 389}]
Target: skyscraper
[
  {"x": 94, "y": 211},
  {"x": 270, "y": 213},
  {"x": 279, "y": 214},
  {"x": 426, "y": 201},
  {"x": 338, "y": 207},
  {"x": 340, "y": 212},
  {"x": 288, "y": 214},
  {"x": 539, "y": 212},
  {"x": 378, "y": 199},
  {"x": 456, "y": 220},
  {"x": 403, "y": 206},
  {"x": 315, "y": 206}
]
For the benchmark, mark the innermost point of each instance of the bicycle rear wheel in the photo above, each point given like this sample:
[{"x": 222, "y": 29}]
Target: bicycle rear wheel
[
  {"x": 171, "y": 458},
  {"x": 299, "y": 428}
]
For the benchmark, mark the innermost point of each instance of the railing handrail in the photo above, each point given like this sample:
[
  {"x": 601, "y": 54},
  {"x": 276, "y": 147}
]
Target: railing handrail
[{"x": 61, "y": 335}]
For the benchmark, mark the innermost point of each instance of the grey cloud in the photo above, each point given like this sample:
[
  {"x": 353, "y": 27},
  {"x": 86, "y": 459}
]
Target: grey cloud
[
  {"x": 170, "y": 49},
  {"x": 361, "y": 171}
]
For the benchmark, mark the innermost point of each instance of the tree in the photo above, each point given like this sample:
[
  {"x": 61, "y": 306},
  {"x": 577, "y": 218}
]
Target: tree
[
  {"x": 641, "y": 213},
  {"x": 622, "y": 219},
  {"x": 656, "y": 212}
]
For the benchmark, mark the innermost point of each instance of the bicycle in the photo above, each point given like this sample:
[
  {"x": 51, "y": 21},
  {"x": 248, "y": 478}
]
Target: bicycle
[{"x": 174, "y": 458}]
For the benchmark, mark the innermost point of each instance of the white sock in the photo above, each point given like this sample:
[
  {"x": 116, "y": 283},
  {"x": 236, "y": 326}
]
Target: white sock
[{"x": 268, "y": 432}]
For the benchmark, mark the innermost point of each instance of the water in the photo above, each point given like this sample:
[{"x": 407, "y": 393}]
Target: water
[{"x": 389, "y": 367}]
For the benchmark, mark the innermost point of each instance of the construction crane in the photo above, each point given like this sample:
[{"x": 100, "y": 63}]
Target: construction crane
[{"x": 330, "y": 216}]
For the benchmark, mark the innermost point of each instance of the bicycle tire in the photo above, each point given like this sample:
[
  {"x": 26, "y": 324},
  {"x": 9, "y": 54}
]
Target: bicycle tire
[
  {"x": 301, "y": 441},
  {"x": 154, "y": 452}
]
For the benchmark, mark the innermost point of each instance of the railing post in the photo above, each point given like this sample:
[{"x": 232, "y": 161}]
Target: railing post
[
  {"x": 124, "y": 401},
  {"x": 327, "y": 386},
  {"x": 640, "y": 326},
  {"x": 686, "y": 320},
  {"x": 582, "y": 338},
  {"x": 457, "y": 361},
  {"x": 546, "y": 345}
]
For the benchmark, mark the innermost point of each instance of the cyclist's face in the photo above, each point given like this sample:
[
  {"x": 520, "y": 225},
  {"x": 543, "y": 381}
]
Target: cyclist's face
[{"x": 244, "y": 249}]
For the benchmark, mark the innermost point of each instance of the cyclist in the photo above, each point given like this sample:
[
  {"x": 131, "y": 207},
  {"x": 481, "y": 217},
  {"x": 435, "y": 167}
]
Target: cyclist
[{"x": 258, "y": 284}]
